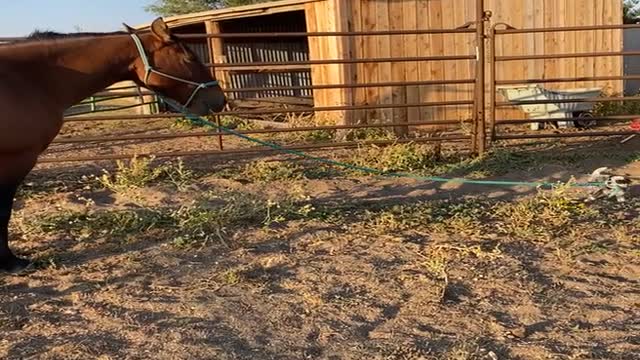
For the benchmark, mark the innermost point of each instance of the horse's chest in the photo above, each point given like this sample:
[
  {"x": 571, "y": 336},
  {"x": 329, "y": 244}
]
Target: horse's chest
[{"x": 28, "y": 129}]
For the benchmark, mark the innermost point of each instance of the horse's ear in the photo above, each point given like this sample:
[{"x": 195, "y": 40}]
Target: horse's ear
[
  {"x": 160, "y": 29},
  {"x": 129, "y": 29}
]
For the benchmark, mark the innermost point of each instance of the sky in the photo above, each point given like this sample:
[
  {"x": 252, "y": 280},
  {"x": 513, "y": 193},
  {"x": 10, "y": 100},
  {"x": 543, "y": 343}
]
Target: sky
[{"x": 21, "y": 17}]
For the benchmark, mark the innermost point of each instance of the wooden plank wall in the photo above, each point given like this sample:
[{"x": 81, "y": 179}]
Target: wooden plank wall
[
  {"x": 381, "y": 15},
  {"x": 363, "y": 15},
  {"x": 330, "y": 16}
]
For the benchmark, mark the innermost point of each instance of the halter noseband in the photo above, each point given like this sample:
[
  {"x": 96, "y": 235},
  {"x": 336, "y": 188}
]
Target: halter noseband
[{"x": 148, "y": 70}]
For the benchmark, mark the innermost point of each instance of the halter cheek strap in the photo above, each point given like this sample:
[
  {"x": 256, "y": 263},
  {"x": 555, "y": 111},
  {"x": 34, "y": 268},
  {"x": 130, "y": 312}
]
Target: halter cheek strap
[{"x": 148, "y": 70}]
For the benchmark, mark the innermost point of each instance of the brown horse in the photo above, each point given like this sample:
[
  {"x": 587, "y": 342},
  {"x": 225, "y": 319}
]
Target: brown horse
[{"x": 42, "y": 76}]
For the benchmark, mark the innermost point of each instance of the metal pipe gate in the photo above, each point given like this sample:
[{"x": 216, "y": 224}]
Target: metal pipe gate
[{"x": 485, "y": 124}]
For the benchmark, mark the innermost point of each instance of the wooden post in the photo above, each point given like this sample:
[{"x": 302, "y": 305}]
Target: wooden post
[
  {"x": 480, "y": 128},
  {"x": 343, "y": 12},
  {"x": 331, "y": 15},
  {"x": 399, "y": 69},
  {"x": 216, "y": 52},
  {"x": 315, "y": 53}
]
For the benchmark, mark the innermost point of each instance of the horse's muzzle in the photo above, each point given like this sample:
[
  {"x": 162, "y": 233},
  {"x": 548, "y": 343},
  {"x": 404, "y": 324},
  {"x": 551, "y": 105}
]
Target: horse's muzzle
[
  {"x": 202, "y": 106},
  {"x": 218, "y": 104}
]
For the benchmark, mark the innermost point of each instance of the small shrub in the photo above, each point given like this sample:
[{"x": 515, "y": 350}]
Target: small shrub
[
  {"x": 633, "y": 157},
  {"x": 548, "y": 214},
  {"x": 178, "y": 175},
  {"x": 208, "y": 219},
  {"x": 136, "y": 173},
  {"x": 200, "y": 223},
  {"x": 318, "y": 135},
  {"x": 303, "y": 120},
  {"x": 236, "y": 123},
  {"x": 184, "y": 124},
  {"x": 265, "y": 171},
  {"x": 83, "y": 225},
  {"x": 398, "y": 157},
  {"x": 139, "y": 173},
  {"x": 397, "y": 218},
  {"x": 612, "y": 108},
  {"x": 370, "y": 134}
]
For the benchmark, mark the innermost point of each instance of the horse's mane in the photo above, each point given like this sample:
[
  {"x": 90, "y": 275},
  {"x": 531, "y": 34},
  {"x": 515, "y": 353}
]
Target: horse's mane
[
  {"x": 43, "y": 35},
  {"x": 51, "y": 35}
]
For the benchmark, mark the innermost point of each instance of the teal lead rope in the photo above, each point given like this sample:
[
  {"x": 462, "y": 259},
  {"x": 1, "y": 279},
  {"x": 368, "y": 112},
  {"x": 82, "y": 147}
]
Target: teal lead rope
[{"x": 201, "y": 121}]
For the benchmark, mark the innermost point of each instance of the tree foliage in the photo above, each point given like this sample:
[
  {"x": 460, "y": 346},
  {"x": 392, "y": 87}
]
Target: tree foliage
[
  {"x": 179, "y": 7},
  {"x": 230, "y": 3},
  {"x": 631, "y": 11},
  {"x": 631, "y": 8}
]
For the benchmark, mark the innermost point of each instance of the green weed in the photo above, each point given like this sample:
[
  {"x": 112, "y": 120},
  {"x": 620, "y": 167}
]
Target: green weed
[
  {"x": 612, "y": 108},
  {"x": 237, "y": 123},
  {"x": 200, "y": 222},
  {"x": 398, "y": 157},
  {"x": 547, "y": 215},
  {"x": 264, "y": 171},
  {"x": 139, "y": 172},
  {"x": 370, "y": 134}
]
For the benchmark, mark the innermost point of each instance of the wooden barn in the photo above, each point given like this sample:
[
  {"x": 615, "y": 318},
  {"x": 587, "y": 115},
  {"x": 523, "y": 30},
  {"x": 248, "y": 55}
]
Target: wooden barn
[{"x": 382, "y": 15}]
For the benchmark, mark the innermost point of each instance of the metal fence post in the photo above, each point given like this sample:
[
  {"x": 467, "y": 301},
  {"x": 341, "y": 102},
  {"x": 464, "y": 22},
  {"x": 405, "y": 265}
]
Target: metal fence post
[
  {"x": 492, "y": 83},
  {"x": 480, "y": 126}
]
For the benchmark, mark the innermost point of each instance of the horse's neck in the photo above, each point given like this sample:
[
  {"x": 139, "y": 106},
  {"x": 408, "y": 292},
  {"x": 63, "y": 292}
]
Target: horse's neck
[{"x": 74, "y": 69}]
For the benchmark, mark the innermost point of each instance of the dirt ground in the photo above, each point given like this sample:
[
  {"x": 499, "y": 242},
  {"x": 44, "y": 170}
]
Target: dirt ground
[{"x": 269, "y": 265}]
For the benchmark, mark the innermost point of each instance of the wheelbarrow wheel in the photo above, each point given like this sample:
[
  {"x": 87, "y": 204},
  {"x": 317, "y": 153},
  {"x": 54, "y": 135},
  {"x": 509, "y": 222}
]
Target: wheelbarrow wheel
[{"x": 588, "y": 121}]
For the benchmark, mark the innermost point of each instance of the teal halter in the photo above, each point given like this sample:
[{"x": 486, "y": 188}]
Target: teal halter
[{"x": 148, "y": 70}]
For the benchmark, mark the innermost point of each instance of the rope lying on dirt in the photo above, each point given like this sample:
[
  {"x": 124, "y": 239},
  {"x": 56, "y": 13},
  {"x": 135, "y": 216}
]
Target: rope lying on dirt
[{"x": 204, "y": 122}]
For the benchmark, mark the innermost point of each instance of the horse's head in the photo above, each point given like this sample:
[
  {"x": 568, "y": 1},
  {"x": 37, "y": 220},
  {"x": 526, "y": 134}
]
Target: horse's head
[{"x": 170, "y": 68}]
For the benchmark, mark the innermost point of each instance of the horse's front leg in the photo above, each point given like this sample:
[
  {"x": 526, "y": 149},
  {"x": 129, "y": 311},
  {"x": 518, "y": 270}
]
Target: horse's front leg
[{"x": 8, "y": 261}]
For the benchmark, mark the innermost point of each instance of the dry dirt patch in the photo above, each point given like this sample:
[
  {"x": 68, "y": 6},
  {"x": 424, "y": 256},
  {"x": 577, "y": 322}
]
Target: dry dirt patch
[{"x": 217, "y": 265}]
